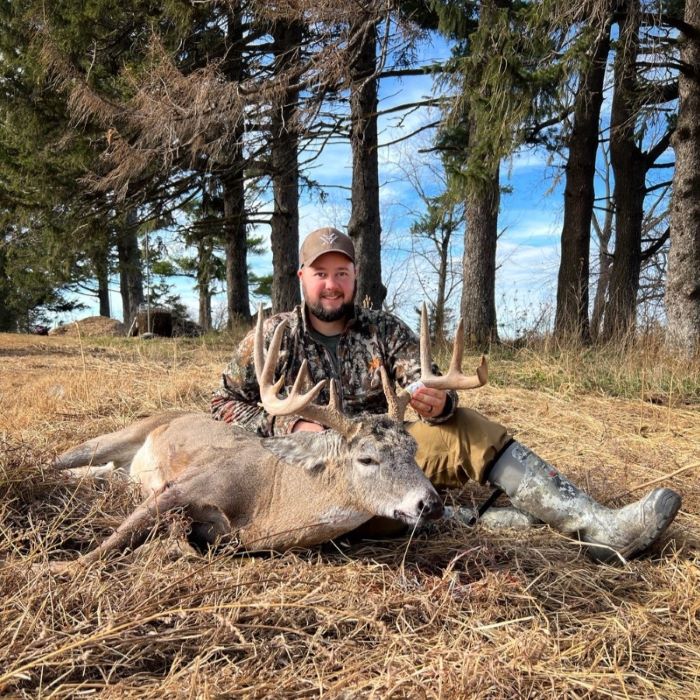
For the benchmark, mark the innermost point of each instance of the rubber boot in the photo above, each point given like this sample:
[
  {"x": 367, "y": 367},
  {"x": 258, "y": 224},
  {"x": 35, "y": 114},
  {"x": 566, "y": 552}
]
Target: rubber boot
[
  {"x": 612, "y": 535},
  {"x": 495, "y": 518}
]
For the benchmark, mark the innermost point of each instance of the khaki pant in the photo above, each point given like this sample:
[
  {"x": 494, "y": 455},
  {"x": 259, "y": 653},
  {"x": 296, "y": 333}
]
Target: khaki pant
[
  {"x": 460, "y": 449},
  {"x": 450, "y": 454}
]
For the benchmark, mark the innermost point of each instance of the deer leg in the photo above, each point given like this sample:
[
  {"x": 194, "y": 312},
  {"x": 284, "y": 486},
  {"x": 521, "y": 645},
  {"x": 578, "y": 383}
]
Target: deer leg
[
  {"x": 132, "y": 530},
  {"x": 209, "y": 524},
  {"x": 101, "y": 473},
  {"x": 118, "y": 447}
]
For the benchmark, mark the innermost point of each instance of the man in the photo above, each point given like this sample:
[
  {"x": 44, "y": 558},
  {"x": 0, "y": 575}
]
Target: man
[{"x": 349, "y": 343}]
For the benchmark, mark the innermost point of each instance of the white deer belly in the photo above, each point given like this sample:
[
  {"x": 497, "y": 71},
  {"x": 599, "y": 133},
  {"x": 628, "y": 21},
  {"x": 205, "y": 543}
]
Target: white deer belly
[{"x": 146, "y": 469}]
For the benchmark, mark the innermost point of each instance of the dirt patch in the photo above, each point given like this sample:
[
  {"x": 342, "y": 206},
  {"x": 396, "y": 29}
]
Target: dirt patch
[{"x": 90, "y": 327}]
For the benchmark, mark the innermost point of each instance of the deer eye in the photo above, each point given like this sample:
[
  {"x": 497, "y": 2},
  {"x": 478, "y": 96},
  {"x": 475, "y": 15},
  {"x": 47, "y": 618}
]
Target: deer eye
[{"x": 367, "y": 461}]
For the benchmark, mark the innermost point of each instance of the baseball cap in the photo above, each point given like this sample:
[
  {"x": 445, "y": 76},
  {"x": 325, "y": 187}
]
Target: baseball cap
[{"x": 325, "y": 240}]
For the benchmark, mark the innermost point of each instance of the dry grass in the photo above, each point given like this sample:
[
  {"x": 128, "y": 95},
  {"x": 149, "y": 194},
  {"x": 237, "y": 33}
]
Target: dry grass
[{"x": 457, "y": 613}]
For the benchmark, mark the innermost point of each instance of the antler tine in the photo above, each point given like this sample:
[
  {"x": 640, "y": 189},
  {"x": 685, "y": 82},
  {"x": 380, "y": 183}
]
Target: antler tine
[
  {"x": 457, "y": 348},
  {"x": 265, "y": 366},
  {"x": 299, "y": 403},
  {"x": 426, "y": 363},
  {"x": 331, "y": 415},
  {"x": 258, "y": 346},
  {"x": 264, "y": 371},
  {"x": 397, "y": 403},
  {"x": 454, "y": 379}
]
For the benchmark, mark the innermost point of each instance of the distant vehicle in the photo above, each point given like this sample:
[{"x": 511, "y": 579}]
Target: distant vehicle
[{"x": 39, "y": 330}]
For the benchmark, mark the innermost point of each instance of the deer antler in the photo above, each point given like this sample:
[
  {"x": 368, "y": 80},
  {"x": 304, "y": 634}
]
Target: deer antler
[
  {"x": 397, "y": 403},
  {"x": 301, "y": 404},
  {"x": 454, "y": 379}
]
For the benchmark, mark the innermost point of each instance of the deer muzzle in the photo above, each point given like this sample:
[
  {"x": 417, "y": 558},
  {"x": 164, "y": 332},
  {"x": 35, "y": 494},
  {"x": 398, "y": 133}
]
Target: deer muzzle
[{"x": 418, "y": 505}]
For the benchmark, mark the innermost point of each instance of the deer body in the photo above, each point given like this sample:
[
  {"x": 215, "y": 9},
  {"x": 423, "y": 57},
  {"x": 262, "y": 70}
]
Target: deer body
[
  {"x": 268, "y": 493},
  {"x": 279, "y": 492}
]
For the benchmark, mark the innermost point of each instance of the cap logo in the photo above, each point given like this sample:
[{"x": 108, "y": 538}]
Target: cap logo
[{"x": 329, "y": 237}]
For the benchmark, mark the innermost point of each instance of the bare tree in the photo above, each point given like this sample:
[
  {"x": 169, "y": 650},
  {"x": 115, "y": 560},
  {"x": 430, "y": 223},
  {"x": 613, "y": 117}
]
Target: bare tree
[
  {"x": 432, "y": 235},
  {"x": 683, "y": 284}
]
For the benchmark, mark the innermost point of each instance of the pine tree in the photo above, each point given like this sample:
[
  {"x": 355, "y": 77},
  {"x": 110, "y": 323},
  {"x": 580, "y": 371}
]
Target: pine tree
[{"x": 41, "y": 160}]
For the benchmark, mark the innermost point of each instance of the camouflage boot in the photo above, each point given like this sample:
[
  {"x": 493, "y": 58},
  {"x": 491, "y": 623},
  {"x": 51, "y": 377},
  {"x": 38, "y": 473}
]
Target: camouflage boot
[
  {"x": 495, "y": 518},
  {"x": 612, "y": 534}
]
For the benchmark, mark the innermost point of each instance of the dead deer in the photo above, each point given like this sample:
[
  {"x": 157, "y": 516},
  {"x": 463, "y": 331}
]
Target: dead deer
[{"x": 279, "y": 492}]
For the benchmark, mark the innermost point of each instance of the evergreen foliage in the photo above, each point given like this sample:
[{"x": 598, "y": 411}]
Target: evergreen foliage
[{"x": 118, "y": 118}]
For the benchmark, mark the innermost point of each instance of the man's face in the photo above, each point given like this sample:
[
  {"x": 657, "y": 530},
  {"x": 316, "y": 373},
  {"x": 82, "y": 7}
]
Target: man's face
[{"x": 328, "y": 286}]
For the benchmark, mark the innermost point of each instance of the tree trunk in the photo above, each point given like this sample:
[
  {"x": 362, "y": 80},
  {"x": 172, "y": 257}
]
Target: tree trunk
[
  {"x": 364, "y": 226},
  {"x": 571, "y": 319},
  {"x": 206, "y": 235},
  {"x": 103, "y": 290},
  {"x": 683, "y": 282},
  {"x": 100, "y": 264},
  {"x": 440, "y": 299},
  {"x": 285, "y": 175},
  {"x": 604, "y": 233},
  {"x": 478, "y": 306},
  {"x": 204, "y": 312},
  {"x": 233, "y": 185},
  {"x": 103, "y": 294},
  {"x": 601, "y": 291},
  {"x": 7, "y": 317},
  {"x": 234, "y": 232},
  {"x": 130, "y": 274},
  {"x": 629, "y": 166},
  {"x": 204, "y": 279}
]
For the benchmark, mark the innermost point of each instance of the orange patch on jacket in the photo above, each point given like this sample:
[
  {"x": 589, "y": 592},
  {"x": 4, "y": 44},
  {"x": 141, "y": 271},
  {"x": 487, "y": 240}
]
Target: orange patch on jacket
[{"x": 374, "y": 364}]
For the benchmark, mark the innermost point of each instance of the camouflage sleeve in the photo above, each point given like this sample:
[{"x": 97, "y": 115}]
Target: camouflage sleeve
[
  {"x": 237, "y": 400},
  {"x": 403, "y": 350}
]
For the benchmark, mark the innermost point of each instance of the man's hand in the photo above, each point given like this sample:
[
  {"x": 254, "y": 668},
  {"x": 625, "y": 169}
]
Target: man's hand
[
  {"x": 428, "y": 403},
  {"x": 307, "y": 426}
]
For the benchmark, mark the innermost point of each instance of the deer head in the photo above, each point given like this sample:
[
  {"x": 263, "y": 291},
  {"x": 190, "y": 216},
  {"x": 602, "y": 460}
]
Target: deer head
[{"x": 375, "y": 453}]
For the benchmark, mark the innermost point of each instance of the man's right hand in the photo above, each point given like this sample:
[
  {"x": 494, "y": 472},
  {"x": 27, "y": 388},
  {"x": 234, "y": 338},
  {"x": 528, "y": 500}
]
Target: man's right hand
[{"x": 307, "y": 426}]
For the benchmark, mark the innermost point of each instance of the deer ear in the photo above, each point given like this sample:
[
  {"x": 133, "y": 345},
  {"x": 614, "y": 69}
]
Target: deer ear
[{"x": 302, "y": 449}]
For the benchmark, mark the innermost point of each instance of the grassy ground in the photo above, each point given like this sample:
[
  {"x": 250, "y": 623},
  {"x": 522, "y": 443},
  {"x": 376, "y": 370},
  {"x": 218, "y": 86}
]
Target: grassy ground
[{"x": 457, "y": 613}]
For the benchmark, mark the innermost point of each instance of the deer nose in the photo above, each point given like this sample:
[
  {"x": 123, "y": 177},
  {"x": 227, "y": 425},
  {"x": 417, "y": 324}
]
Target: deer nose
[{"x": 431, "y": 508}]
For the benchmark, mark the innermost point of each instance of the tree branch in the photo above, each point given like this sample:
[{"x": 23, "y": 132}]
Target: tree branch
[
  {"x": 659, "y": 148},
  {"x": 656, "y": 246}
]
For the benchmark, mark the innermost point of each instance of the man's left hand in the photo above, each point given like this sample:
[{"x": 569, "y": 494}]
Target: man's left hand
[{"x": 428, "y": 403}]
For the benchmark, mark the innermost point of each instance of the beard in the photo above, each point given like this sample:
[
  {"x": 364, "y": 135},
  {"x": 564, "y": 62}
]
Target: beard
[
  {"x": 345, "y": 311},
  {"x": 330, "y": 315}
]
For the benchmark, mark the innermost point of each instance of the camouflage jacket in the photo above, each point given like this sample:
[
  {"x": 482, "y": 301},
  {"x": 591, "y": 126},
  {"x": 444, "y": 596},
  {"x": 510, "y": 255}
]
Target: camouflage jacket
[{"x": 370, "y": 339}]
